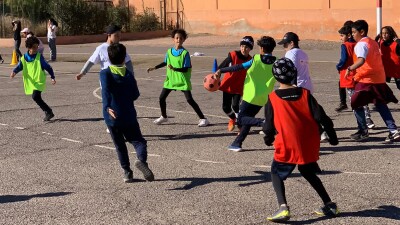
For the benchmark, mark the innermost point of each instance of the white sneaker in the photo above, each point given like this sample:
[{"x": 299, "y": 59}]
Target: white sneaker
[
  {"x": 160, "y": 120},
  {"x": 108, "y": 131},
  {"x": 203, "y": 122},
  {"x": 261, "y": 132},
  {"x": 324, "y": 137}
]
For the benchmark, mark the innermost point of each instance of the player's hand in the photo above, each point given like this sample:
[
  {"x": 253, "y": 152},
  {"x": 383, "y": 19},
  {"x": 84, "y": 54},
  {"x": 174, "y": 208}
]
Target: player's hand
[
  {"x": 171, "y": 67},
  {"x": 12, "y": 75},
  {"x": 346, "y": 75},
  {"x": 217, "y": 74},
  {"x": 79, "y": 76},
  {"x": 53, "y": 81},
  {"x": 150, "y": 69},
  {"x": 112, "y": 113}
]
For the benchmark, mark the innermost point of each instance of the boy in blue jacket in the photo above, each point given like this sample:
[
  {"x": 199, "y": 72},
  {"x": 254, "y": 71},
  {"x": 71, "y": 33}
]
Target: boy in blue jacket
[{"x": 119, "y": 90}]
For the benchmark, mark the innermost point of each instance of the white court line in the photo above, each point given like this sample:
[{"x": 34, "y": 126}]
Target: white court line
[
  {"x": 20, "y": 128},
  {"x": 361, "y": 173},
  {"x": 3, "y": 124},
  {"x": 106, "y": 147},
  {"x": 205, "y": 161},
  {"x": 262, "y": 166},
  {"x": 71, "y": 140},
  {"x": 46, "y": 133}
]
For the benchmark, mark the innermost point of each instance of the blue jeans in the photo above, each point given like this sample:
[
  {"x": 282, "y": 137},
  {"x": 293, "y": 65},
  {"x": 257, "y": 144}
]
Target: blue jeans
[
  {"x": 246, "y": 120},
  {"x": 130, "y": 134},
  {"x": 383, "y": 111}
]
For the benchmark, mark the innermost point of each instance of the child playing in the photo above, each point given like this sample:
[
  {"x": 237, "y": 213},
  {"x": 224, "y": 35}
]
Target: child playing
[
  {"x": 1, "y": 59},
  {"x": 27, "y": 33},
  {"x": 346, "y": 59},
  {"x": 232, "y": 82},
  {"x": 32, "y": 65},
  {"x": 258, "y": 83},
  {"x": 119, "y": 90},
  {"x": 293, "y": 110},
  {"x": 290, "y": 42},
  {"x": 179, "y": 72},
  {"x": 370, "y": 86},
  {"x": 390, "y": 50},
  {"x": 100, "y": 55}
]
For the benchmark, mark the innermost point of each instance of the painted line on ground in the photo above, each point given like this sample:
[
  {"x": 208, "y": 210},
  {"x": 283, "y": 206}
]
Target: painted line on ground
[
  {"x": 206, "y": 161},
  {"x": 20, "y": 128},
  {"x": 46, "y": 133},
  {"x": 106, "y": 147},
  {"x": 261, "y": 166},
  {"x": 361, "y": 173},
  {"x": 71, "y": 140},
  {"x": 3, "y": 124}
]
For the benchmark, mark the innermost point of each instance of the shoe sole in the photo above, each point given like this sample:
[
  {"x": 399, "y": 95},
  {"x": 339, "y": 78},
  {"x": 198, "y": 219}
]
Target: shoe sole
[
  {"x": 372, "y": 126},
  {"x": 235, "y": 150},
  {"x": 128, "y": 180},
  {"x": 147, "y": 173},
  {"x": 361, "y": 139}
]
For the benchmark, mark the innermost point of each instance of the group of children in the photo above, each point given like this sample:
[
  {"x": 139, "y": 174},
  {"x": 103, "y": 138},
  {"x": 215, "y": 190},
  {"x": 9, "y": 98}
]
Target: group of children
[{"x": 291, "y": 109}]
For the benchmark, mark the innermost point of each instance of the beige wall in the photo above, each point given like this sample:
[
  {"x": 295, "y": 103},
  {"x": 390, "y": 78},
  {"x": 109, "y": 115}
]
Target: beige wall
[{"x": 311, "y": 19}]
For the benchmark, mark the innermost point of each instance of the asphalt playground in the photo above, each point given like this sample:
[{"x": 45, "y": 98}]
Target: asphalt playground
[{"x": 66, "y": 171}]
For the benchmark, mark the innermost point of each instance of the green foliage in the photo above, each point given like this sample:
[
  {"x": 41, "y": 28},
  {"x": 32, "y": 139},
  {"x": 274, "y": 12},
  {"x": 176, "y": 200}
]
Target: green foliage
[
  {"x": 77, "y": 17},
  {"x": 146, "y": 21}
]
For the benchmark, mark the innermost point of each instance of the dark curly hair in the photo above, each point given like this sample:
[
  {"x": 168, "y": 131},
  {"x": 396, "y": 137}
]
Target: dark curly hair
[
  {"x": 267, "y": 42},
  {"x": 179, "y": 31},
  {"x": 31, "y": 41}
]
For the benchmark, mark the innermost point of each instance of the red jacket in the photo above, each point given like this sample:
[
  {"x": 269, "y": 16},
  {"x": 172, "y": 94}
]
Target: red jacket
[{"x": 390, "y": 60}]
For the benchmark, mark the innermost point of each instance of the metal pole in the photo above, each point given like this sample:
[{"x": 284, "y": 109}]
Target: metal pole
[{"x": 378, "y": 16}]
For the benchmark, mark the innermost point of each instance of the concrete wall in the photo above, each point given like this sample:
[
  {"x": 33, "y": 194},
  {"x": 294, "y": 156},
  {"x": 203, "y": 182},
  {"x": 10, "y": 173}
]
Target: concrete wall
[
  {"x": 68, "y": 40},
  {"x": 311, "y": 19}
]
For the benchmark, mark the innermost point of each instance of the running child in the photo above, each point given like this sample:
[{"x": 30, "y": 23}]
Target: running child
[
  {"x": 370, "y": 85},
  {"x": 292, "y": 121},
  {"x": 346, "y": 59},
  {"x": 390, "y": 50},
  {"x": 32, "y": 65},
  {"x": 179, "y": 72},
  {"x": 232, "y": 82},
  {"x": 119, "y": 91},
  {"x": 259, "y": 82}
]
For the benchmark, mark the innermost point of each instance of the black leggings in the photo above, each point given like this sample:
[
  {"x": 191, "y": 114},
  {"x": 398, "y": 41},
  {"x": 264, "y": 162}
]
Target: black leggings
[
  {"x": 37, "y": 97},
  {"x": 230, "y": 104},
  {"x": 188, "y": 95},
  {"x": 309, "y": 173}
]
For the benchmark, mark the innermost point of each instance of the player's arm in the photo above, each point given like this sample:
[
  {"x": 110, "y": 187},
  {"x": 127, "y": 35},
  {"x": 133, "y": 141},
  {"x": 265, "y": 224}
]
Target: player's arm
[
  {"x": 48, "y": 68},
  {"x": 269, "y": 127},
  {"x": 234, "y": 68},
  {"x": 94, "y": 58},
  {"x": 105, "y": 93},
  {"x": 343, "y": 57},
  {"x": 187, "y": 64}
]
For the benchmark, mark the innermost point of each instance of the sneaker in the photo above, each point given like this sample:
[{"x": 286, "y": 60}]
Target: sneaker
[
  {"x": 203, "y": 123},
  {"x": 2, "y": 61},
  {"x": 360, "y": 135},
  {"x": 144, "y": 168},
  {"x": 324, "y": 137},
  {"x": 128, "y": 177},
  {"x": 48, "y": 116},
  {"x": 160, "y": 120},
  {"x": 231, "y": 125},
  {"x": 107, "y": 130},
  {"x": 329, "y": 209},
  {"x": 234, "y": 148},
  {"x": 393, "y": 136},
  {"x": 341, "y": 107},
  {"x": 282, "y": 215},
  {"x": 370, "y": 123},
  {"x": 261, "y": 132}
]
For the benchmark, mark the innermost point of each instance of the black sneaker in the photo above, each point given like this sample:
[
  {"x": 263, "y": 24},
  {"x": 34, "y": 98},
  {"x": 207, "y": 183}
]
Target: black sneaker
[
  {"x": 341, "y": 107},
  {"x": 143, "y": 167},
  {"x": 329, "y": 209},
  {"x": 360, "y": 135},
  {"x": 128, "y": 177},
  {"x": 48, "y": 116}
]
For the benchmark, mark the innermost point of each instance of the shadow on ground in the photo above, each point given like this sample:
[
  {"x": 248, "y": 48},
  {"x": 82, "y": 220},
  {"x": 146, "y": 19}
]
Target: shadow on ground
[{"x": 20, "y": 198}]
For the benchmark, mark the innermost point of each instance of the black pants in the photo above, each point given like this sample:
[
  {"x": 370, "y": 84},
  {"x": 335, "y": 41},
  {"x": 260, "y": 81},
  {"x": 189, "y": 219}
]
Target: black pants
[
  {"x": 17, "y": 45},
  {"x": 396, "y": 80},
  {"x": 188, "y": 95},
  {"x": 37, "y": 97},
  {"x": 280, "y": 171},
  {"x": 230, "y": 104},
  {"x": 342, "y": 95}
]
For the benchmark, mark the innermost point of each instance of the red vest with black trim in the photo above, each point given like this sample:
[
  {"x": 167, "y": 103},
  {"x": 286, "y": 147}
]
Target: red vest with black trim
[
  {"x": 232, "y": 82},
  {"x": 347, "y": 82},
  {"x": 297, "y": 140},
  {"x": 390, "y": 60}
]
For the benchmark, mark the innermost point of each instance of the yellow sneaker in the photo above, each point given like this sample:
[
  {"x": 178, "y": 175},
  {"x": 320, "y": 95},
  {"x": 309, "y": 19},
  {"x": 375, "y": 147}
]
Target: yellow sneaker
[{"x": 282, "y": 215}]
